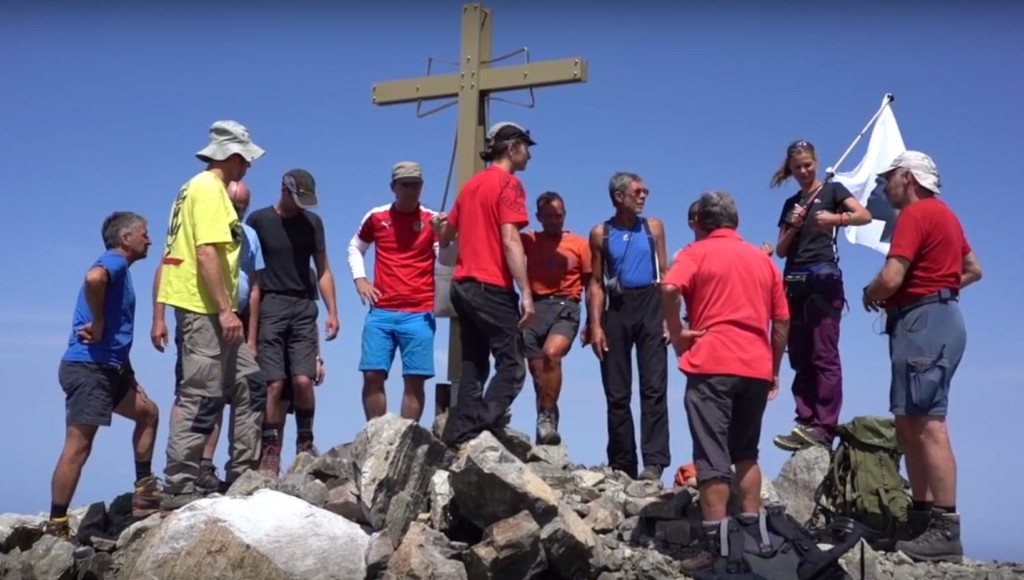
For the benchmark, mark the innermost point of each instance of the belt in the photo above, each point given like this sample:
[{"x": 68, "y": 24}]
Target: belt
[
  {"x": 942, "y": 296},
  {"x": 539, "y": 297},
  {"x": 290, "y": 293}
]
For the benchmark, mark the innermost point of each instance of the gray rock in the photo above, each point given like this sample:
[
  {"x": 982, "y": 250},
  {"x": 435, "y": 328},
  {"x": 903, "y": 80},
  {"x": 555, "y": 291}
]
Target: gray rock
[
  {"x": 335, "y": 467},
  {"x": 510, "y": 549},
  {"x": 394, "y": 460},
  {"x": 249, "y": 483},
  {"x": 343, "y": 500},
  {"x": 604, "y": 515},
  {"x": 491, "y": 484},
  {"x": 569, "y": 545},
  {"x": 52, "y": 558},
  {"x": 799, "y": 479},
  {"x": 305, "y": 487},
  {"x": 554, "y": 455},
  {"x": 424, "y": 554},
  {"x": 303, "y": 464},
  {"x": 517, "y": 442},
  {"x": 137, "y": 530},
  {"x": 441, "y": 500},
  {"x": 378, "y": 552}
]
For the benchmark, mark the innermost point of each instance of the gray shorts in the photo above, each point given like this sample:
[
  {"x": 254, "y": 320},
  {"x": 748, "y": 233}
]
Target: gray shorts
[
  {"x": 926, "y": 344},
  {"x": 288, "y": 339},
  {"x": 552, "y": 315},
  {"x": 724, "y": 413},
  {"x": 93, "y": 391}
]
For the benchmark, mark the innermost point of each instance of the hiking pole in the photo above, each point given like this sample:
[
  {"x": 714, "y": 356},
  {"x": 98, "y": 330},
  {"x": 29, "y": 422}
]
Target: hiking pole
[{"x": 886, "y": 101}]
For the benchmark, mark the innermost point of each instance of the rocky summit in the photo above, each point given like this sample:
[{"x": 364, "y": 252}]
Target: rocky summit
[{"x": 396, "y": 504}]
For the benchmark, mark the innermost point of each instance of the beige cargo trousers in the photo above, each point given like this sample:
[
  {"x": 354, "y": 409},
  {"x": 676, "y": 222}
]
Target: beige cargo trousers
[{"x": 214, "y": 373}]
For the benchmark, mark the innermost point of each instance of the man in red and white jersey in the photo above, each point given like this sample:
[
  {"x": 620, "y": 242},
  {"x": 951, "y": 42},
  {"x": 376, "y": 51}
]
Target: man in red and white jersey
[{"x": 401, "y": 296}]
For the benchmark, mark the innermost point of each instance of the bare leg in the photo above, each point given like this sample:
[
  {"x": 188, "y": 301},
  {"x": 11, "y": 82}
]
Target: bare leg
[
  {"x": 748, "y": 479},
  {"x": 138, "y": 407},
  {"x": 77, "y": 446},
  {"x": 375, "y": 398},
  {"x": 412, "y": 398}
]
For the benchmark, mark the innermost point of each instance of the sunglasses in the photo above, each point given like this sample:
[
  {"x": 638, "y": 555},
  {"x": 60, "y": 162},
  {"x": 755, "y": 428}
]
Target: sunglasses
[{"x": 800, "y": 145}]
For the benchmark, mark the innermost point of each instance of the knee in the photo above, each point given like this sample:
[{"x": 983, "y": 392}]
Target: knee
[
  {"x": 933, "y": 430},
  {"x": 552, "y": 357},
  {"x": 373, "y": 381},
  {"x": 302, "y": 383},
  {"x": 149, "y": 415},
  {"x": 76, "y": 450}
]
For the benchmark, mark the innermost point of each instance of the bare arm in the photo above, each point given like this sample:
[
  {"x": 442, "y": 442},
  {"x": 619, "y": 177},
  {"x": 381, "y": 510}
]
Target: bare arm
[
  {"x": 595, "y": 289},
  {"x": 255, "y": 295},
  {"x": 96, "y": 280},
  {"x": 786, "y": 235},
  {"x": 212, "y": 277},
  {"x": 780, "y": 336},
  {"x": 448, "y": 235},
  {"x": 888, "y": 280},
  {"x": 326, "y": 277},
  {"x": 857, "y": 214},
  {"x": 658, "y": 229},
  {"x": 971, "y": 271},
  {"x": 516, "y": 257},
  {"x": 158, "y": 307}
]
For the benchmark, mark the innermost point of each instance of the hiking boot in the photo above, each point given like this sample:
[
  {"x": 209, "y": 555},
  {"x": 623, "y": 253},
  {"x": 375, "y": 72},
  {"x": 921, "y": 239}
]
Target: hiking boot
[
  {"x": 917, "y": 524},
  {"x": 939, "y": 543},
  {"x": 208, "y": 482},
  {"x": 547, "y": 428},
  {"x": 270, "y": 458},
  {"x": 788, "y": 443},
  {"x": 810, "y": 436},
  {"x": 706, "y": 556},
  {"x": 147, "y": 496},
  {"x": 305, "y": 446},
  {"x": 651, "y": 473},
  {"x": 173, "y": 501},
  {"x": 59, "y": 528}
]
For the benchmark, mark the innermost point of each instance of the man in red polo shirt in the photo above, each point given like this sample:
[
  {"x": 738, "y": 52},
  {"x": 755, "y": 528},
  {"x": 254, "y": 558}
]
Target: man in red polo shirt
[
  {"x": 732, "y": 290},
  {"x": 487, "y": 216},
  {"x": 401, "y": 296},
  {"x": 929, "y": 262}
]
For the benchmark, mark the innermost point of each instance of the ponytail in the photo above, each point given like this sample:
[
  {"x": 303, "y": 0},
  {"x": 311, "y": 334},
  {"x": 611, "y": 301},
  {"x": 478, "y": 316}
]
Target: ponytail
[{"x": 782, "y": 173}]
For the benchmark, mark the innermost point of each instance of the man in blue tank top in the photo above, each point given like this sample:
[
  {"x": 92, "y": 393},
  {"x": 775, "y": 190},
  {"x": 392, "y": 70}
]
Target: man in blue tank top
[{"x": 625, "y": 311}]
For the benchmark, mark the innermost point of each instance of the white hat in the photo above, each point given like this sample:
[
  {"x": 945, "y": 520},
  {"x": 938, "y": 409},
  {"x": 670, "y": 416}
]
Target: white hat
[
  {"x": 921, "y": 165},
  {"x": 228, "y": 138}
]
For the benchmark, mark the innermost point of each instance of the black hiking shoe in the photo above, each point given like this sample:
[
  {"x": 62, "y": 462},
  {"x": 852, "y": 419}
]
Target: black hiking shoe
[
  {"x": 651, "y": 473},
  {"x": 547, "y": 428},
  {"x": 940, "y": 542}
]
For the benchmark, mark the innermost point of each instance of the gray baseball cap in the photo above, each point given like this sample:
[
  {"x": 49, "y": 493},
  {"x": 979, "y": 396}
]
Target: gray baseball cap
[
  {"x": 228, "y": 138},
  {"x": 506, "y": 131},
  {"x": 406, "y": 171}
]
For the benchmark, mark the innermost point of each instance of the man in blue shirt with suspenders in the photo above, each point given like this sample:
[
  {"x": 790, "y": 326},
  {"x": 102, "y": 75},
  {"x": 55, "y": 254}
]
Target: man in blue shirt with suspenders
[{"x": 625, "y": 310}]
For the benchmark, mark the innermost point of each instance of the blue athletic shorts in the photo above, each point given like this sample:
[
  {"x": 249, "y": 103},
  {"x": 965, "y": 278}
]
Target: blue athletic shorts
[{"x": 412, "y": 333}]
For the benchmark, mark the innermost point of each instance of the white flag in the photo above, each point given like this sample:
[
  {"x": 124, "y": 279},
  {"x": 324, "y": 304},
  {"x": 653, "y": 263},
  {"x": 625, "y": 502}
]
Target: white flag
[{"x": 865, "y": 185}]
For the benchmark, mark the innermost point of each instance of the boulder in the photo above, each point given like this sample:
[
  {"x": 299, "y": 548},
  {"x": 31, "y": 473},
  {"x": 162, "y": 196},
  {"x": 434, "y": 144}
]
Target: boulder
[{"x": 268, "y": 535}]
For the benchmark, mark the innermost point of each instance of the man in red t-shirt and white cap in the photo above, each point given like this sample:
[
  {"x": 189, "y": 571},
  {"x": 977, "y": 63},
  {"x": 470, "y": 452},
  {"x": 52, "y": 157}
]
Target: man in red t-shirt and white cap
[
  {"x": 929, "y": 262},
  {"x": 401, "y": 296},
  {"x": 488, "y": 215}
]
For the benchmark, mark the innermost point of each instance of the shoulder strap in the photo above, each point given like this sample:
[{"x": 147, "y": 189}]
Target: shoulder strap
[
  {"x": 605, "y": 232},
  {"x": 654, "y": 249}
]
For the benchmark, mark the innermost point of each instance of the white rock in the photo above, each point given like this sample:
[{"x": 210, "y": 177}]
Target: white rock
[{"x": 266, "y": 535}]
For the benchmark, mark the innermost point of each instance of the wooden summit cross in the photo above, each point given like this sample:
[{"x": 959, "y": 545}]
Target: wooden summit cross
[{"x": 474, "y": 82}]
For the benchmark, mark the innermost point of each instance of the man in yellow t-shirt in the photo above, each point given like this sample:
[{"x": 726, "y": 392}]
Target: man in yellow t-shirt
[{"x": 200, "y": 280}]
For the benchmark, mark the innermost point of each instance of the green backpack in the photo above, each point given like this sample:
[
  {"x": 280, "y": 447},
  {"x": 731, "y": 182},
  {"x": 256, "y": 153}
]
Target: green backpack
[{"x": 863, "y": 481}]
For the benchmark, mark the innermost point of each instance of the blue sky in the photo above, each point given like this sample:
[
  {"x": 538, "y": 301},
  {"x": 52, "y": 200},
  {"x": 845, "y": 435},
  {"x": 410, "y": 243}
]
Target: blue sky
[{"x": 103, "y": 110}]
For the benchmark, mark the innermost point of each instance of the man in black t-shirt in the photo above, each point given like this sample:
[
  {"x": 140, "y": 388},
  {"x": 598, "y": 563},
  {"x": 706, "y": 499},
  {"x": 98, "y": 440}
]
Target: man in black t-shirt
[
  {"x": 814, "y": 289},
  {"x": 291, "y": 236}
]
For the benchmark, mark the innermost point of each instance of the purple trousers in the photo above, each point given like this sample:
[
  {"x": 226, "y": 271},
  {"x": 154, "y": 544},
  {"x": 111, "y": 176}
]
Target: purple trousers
[{"x": 814, "y": 356}]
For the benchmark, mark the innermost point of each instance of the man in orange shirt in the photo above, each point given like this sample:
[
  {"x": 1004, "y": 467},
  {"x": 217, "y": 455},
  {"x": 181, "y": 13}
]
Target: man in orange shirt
[
  {"x": 558, "y": 266},
  {"x": 732, "y": 290}
]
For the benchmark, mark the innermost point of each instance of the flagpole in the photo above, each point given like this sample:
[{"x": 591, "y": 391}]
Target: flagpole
[{"x": 886, "y": 101}]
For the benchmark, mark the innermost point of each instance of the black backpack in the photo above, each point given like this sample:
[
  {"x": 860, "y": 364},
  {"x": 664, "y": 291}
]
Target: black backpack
[{"x": 777, "y": 547}]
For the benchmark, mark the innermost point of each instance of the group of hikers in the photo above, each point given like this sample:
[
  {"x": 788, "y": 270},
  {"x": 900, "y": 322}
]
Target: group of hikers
[{"x": 244, "y": 297}]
